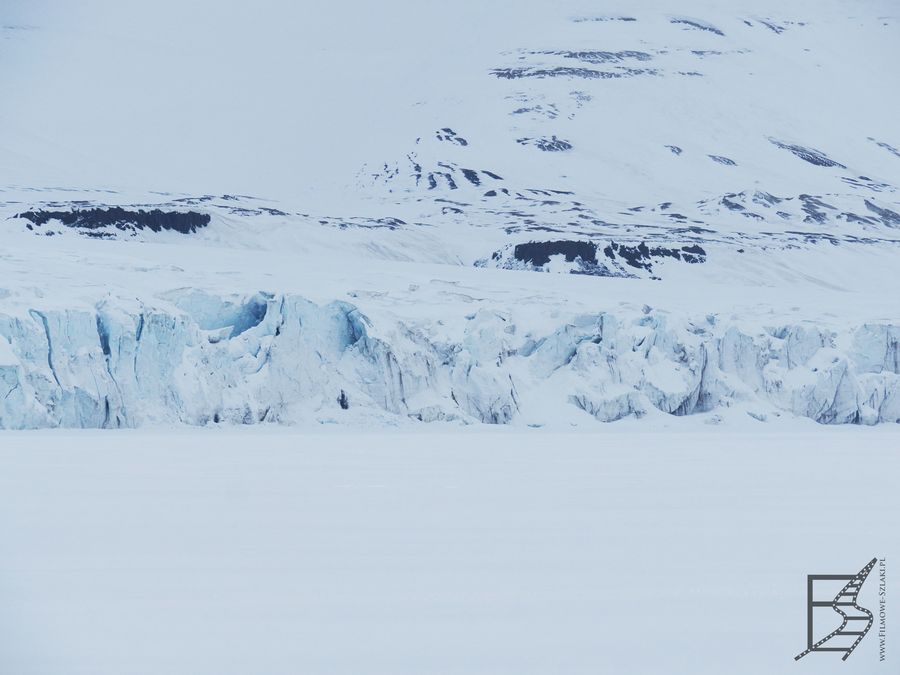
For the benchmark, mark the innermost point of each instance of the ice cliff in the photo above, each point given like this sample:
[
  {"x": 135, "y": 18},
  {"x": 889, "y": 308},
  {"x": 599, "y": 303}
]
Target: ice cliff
[{"x": 196, "y": 358}]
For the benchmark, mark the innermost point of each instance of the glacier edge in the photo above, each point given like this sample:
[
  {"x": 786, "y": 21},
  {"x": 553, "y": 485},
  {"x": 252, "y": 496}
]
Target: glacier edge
[{"x": 197, "y": 358}]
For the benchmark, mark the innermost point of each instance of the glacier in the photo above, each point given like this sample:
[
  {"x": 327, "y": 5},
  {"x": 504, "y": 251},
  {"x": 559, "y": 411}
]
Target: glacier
[
  {"x": 551, "y": 217},
  {"x": 483, "y": 337},
  {"x": 197, "y": 358}
]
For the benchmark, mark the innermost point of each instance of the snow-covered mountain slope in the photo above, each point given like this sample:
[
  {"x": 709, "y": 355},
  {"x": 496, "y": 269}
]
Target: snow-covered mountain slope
[{"x": 709, "y": 192}]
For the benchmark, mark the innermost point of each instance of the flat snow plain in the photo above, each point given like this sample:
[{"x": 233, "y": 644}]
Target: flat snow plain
[{"x": 269, "y": 551}]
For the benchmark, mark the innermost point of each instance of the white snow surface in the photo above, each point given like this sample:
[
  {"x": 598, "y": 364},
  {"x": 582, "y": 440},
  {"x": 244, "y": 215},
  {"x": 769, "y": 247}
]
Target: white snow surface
[
  {"x": 547, "y": 214},
  {"x": 220, "y": 552}
]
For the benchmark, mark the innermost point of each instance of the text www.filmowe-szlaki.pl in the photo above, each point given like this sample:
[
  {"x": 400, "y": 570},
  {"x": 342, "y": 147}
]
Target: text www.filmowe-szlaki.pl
[{"x": 882, "y": 613}]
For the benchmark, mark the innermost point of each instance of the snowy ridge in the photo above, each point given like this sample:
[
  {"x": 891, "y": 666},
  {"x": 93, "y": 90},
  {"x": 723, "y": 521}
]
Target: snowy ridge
[{"x": 201, "y": 359}]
